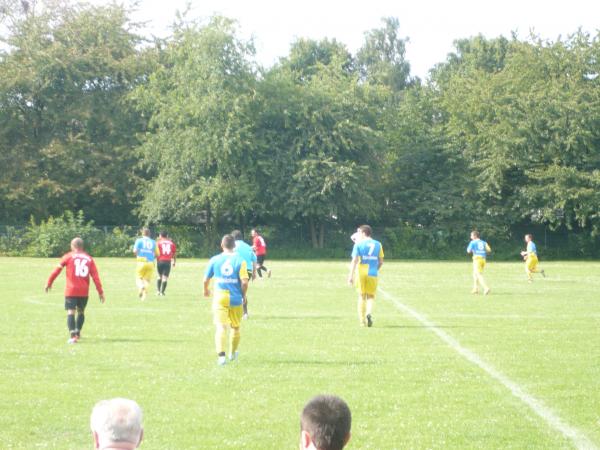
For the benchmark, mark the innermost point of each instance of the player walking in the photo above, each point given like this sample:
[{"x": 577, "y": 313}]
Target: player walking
[
  {"x": 246, "y": 252},
  {"x": 260, "y": 249},
  {"x": 367, "y": 257},
  {"x": 531, "y": 259},
  {"x": 80, "y": 266},
  {"x": 230, "y": 275},
  {"x": 479, "y": 249},
  {"x": 146, "y": 251},
  {"x": 166, "y": 260}
]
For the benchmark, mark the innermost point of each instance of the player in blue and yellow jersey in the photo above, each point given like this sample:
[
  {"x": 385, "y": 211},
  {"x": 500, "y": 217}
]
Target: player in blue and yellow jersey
[
  {"x": 230, "y": 275},
  {"x": 245, "y": 251},
  {"x": 531, "y": 258},
  {"x": 367, "y": 259},
  {"x": 146, "y": 251},
  {"x": 479, "y": 249}
]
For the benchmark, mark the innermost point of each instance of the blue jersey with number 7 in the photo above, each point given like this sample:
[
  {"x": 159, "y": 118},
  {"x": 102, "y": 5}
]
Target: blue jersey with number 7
[{"x": 369, "y": 251}]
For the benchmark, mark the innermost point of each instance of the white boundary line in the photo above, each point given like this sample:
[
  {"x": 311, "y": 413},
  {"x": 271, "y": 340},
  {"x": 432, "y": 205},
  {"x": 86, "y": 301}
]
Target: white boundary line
[{"x": 537, "y": 406}]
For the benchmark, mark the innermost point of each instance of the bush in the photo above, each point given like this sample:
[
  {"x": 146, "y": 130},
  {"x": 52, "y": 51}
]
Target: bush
[{"x": 53, "y": 237}]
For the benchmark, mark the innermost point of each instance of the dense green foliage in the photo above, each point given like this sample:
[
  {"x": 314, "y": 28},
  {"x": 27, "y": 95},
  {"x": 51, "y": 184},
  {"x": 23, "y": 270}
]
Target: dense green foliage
[
  {"x": 406, "y": 388},
  {"x": 503, "y": 136}
]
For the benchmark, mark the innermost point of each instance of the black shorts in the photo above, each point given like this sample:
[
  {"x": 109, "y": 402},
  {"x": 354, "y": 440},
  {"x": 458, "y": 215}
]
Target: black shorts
[
  {"x": 76, "y": 303},
  {"x": 260, "y": 259},
  {"x": 163, "y": 267}
]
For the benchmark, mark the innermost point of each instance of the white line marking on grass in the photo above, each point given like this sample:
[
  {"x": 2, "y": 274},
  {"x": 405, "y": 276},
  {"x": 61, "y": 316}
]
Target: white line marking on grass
[{"x": 537, "y": 406}]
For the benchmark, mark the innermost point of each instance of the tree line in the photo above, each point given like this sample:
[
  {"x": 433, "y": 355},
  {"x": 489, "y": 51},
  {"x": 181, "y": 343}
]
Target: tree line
[{"x": 503, "y": 135}]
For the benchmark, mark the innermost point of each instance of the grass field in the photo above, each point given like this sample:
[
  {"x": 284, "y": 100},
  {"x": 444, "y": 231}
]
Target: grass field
[{"x": 406, "y": 386}]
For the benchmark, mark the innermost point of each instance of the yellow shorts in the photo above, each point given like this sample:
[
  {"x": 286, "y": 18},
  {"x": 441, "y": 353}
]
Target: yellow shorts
[
  {"x": 478, "y": 264},
  {"x": 223, "y": 314},
  {"x": 366, "y": 284},
  {"x": 144, "y": 270},
  {"x": 531, "y": 263}
]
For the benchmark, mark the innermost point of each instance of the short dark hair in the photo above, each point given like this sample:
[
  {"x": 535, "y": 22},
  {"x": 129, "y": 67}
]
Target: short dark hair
[
  {"x": 529, "y": 235},
  {"x": 237, "y": 235},
  {"x": 475, "y": 233},
  {"x": 163, "y": 233},
  {"x": 366, "y": 229},
  {"x": 228, "y": 242},
  {"x": 327, "y": 419}
]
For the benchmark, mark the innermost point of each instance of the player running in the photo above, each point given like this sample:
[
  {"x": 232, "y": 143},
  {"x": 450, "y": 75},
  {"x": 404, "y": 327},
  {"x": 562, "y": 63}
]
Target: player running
[
  {"x": 260, "y": 249},
  {"x": 367, "y": 256},
  {"x": 246, "y": 252},
  {"x": 80, "y": 266},
  {"x": 230, "y": 285},
  {"x": 146, "y": 251},
  {"x": 166, "y": 260},
  {"x": 479, "y": 249},
  {"x": 531, "y": 259}
]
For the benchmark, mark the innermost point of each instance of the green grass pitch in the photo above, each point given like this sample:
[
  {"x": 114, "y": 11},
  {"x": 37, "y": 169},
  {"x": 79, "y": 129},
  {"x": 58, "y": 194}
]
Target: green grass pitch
[{"x": 406, "y": 387}]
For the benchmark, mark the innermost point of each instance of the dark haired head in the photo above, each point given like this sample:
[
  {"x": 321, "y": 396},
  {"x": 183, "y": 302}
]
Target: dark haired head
[
  {"x": 327, "y": 420},
  {"x": 366, "y": 229},
  {"x": 163, "y": 233},
  {"x": 228, "y": 242},
  {"x": 237, "y": 235}
]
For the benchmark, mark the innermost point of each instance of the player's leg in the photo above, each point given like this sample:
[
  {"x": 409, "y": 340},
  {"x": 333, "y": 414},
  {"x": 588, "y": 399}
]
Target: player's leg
[
  {"x": 371, "y": 289},
  {"x": 166, "y": 271},
  {"x": 259, "y": 264},
  {"x": 362, "y": 309},
  {"x": 475, "y": 289},
  {"x": 222, "y": 323},
  {"x": 480, "y": 279},
  {"x": 81, "y": 305},
  {"x": 235, "y": 317},
  {"x": 70, "y": 307}
]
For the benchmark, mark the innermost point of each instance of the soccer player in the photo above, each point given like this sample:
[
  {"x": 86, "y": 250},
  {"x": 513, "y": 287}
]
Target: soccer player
[
  {"x": 166, "y": 260},
  {"x": 260, "y": 249},
  {"x": 246, "y": 252},
  {"x": 146, "y": 251},
  {"x": 531, "y": 259},
  {"x": 479, "y": 249},
  {"x": 230, "y": 275},
  {"x": 367, "y": 256},
  {"x": 80, "y": 266}
]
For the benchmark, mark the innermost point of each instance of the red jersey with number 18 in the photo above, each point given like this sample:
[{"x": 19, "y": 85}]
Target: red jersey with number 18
[
  {"x": 166, "y": 249},
  {"x": 80, "y": 266}
]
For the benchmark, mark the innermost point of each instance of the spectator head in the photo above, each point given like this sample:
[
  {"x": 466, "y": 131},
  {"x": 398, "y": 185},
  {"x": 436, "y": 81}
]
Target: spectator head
[
  {"x": 228, "y": 242},
  {"x": 117, "y": 423},
  {"x": 325, "y": 423}
]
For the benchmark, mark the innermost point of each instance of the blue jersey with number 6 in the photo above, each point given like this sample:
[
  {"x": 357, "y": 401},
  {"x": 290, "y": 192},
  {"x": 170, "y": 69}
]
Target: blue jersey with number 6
[
  {"x": 227, "y": 269},
  {"x": 369, "y": 251}
]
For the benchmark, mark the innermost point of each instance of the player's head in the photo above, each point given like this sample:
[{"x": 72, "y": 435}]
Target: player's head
[
  {"x": 77, "y": 244},
  {"x": 474, "y": 234},
  {"x": 145, "y": 231},
  {"x": 528, "y": 237},
  {"x": 237, "y": 235},
  {"x": 365, "y": 230},
  {"x": 254, "y": 232},
  {"x": 228, "y": 242},
  {"x": 325, "y": 423},
  {"x": 117, "y": 421},
  {"x": 163, "y": 234}
]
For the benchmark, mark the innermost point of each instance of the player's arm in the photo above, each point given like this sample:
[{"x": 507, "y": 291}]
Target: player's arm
[
  {"x": 380, "y": 258},
  {"x": 353, "y": 265},
  {"x": 96, "y": 277},
  {"x": 488, "y": 248},
  {"x": 55, "y": 273},
  {"x": 207, "y": 276},
  {"x": 174, "y": 260},
  {"x": 207, "y": 287}
]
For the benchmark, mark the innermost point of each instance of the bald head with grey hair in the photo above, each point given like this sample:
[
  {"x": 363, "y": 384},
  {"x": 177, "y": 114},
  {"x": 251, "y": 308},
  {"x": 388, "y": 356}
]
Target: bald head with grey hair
[{"x": 117, "y": 423}]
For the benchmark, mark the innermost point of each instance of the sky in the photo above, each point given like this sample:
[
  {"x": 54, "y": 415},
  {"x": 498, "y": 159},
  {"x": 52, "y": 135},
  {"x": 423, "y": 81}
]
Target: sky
[{"x": 431, "y": 25}]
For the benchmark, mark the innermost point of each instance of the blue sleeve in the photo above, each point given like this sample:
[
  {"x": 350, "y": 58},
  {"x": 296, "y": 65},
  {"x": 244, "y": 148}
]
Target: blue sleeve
[
  {"x": 355, "y": 251},
  {"x": 470, "y": 247},
  {"x": 138, "y": 244}
]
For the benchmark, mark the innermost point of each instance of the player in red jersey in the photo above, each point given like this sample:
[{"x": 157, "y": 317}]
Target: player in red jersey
[
  {"x": 80, "y": 266},
  {"x": 166, "y": 260},
  {"x": 260, "y": 249}
]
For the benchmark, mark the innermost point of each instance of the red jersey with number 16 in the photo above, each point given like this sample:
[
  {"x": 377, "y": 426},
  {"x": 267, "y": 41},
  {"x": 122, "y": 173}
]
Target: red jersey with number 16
[
  {"x": 80, "y": 266},
  {"x": 166, "y": 249}
]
